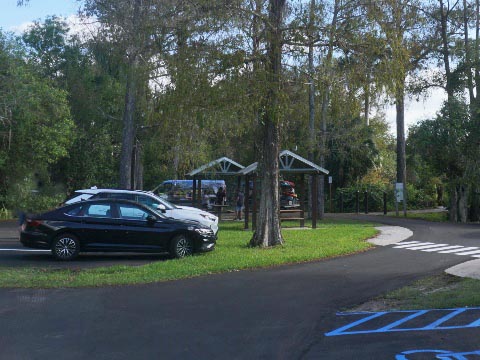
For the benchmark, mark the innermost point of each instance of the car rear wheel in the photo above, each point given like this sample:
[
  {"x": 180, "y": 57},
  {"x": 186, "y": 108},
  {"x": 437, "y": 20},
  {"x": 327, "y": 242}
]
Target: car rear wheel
[
  {"x": 65, "y": 247},
  {"x": 181, "y": 246}
]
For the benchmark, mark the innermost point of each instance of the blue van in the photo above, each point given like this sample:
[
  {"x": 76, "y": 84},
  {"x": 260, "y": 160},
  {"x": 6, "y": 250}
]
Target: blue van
[{"x": 180, "y": 191}]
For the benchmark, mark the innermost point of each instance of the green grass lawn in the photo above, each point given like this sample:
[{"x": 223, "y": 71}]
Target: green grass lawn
[
  {"x": 330, "y": 239},
  {"x": 432, "y": 216},
  {"x": 435, "y": 292}
]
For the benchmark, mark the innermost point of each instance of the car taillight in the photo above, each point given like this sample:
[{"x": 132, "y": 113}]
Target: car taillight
[{"x": 33, "y": 223}]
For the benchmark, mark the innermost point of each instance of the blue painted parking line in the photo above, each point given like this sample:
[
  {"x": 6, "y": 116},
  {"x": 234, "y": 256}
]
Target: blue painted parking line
[
  {"x": 369, "y": 324},
  {"x": 440, "y": 354}
]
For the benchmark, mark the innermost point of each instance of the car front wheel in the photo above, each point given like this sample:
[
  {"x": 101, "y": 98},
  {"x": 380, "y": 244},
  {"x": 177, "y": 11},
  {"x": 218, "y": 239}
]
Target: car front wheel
[
  {"x": 65, "y": 247},
  {"x": 181, "y": 246}
]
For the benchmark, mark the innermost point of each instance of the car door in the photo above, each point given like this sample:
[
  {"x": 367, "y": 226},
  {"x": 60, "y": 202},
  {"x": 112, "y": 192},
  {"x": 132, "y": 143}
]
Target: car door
[
  {"x": 139, "y": 232},
  {"x": 100, "y": 229}
]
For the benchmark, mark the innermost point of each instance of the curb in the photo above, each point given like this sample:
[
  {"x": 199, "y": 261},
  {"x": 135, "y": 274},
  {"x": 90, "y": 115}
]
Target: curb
[
  {"x": 390, "y": 235},
  {"x": 470, "y": 269}
]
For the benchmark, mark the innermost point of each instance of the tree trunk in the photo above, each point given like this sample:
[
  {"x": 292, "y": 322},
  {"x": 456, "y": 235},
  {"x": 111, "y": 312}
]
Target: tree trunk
[
  {"x": 468, "y": 56},
  {"x": 401, "y": 156},
  {"x": 128, "y": 129},
  {"x": 311, "y": 97},
  {"x": 456, "y": 197},
  {"x": 463, "y": 203},
  {"x": 446, "y": 50},
  {"x": 128, "y": 136},
  {"x": 475, "y": 204},
  {"x": 366, "y": 108},
  {"x": 476, "y": 59},
  {"x": 137, "y": 177},
  {"x": 452, "y": 211},
  {"x": 325, "y": 103},
  {"x": 268, "y": 232}
]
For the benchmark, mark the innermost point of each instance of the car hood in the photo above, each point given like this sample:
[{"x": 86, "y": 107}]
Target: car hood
[
  {"x": 193, "y": 209},
  {"x": 187, "y": 222}
]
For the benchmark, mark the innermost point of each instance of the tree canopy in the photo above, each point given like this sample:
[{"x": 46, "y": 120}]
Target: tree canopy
[{"x": 158, "y": 88}]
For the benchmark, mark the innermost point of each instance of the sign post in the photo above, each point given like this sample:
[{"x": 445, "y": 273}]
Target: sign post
[{"x": 398, "y": 195}]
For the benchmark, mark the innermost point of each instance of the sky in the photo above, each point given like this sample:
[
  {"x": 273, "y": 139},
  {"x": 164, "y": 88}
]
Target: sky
[{"x": 16, "y": 19}]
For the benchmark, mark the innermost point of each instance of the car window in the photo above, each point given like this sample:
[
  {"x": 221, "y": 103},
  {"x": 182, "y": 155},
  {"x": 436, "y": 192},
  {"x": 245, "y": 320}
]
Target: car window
[
  {"x": 98, "y": 210},
  {"x": 75, "y": 211},
  {"x": 148, "y": 201},
  {"x": 132, "y": 212},
  {"x": 167, "y": 204},
  {"x": 157, "y": 200}
]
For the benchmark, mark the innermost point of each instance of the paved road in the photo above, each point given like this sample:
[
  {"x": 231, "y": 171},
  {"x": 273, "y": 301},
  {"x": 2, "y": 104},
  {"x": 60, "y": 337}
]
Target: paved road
[{"x": 279, "y": 313}]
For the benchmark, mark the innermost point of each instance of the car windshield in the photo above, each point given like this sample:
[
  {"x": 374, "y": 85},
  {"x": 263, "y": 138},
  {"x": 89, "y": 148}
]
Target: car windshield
[
  {"x": 167, "y": 204},
  {"x": 76, "y": 197}
]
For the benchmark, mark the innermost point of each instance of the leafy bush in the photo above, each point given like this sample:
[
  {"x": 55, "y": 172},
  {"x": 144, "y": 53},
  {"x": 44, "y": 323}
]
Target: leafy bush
[
  {"x": 24, "y": 196},
  {"x": 348, "y": 197},
  {"x": 416, "y": 198}
]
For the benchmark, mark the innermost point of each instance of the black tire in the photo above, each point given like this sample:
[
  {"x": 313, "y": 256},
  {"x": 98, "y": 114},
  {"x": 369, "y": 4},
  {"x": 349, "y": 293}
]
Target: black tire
[
  {"x": 181, "y": 246},
  {"x": 65, "y": 247}
]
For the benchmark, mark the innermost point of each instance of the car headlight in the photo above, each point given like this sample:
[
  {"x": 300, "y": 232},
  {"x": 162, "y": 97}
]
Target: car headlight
[{"x": 203, "y": 231}]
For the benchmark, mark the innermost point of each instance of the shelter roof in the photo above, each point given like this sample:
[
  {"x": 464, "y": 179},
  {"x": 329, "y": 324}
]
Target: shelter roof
[
  {"x": 290, "y": 162},
  {"x": 222, "y": 166}
]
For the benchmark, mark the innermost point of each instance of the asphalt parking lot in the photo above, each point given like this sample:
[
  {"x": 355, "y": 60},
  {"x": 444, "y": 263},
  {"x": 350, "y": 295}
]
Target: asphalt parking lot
[
  {"x": 14, "y": 254},
  {"x": 289, "y": 312}
]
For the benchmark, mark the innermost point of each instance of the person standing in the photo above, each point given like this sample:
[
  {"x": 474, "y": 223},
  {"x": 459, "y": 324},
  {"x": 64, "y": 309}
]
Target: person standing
[
  {"x": 239, "y": 205},
  {"x": 220, "y": 196}
]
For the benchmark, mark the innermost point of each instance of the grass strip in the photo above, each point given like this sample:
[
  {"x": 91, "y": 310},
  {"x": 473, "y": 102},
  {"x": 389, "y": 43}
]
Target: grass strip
[
  {"x": 331, "y": 239},
  {"x": 428, "y": 216},
  {"x": 434, "y": 292}
]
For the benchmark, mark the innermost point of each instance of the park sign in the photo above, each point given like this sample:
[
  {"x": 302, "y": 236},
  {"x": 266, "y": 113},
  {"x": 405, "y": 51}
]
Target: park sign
[{"x": 399, "y": 192}]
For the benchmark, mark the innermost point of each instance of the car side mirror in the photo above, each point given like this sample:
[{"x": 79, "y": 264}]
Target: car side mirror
[
  {"x": 162, "y": 208},
  {"x": 151, "y": 219}
]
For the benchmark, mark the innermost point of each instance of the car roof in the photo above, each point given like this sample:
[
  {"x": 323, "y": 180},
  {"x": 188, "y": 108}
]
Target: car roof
[
  {"x": 116, "y": 201},
  {"x": 94, "y": 191}
]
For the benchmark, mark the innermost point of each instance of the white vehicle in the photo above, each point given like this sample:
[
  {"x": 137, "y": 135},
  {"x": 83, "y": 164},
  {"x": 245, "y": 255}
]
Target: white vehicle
[{"x": 151, "y": 200}]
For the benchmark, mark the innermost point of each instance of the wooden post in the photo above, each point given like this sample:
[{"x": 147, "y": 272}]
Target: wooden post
[
  {"x": 358, "y": 202},
  {"x": 246, "y": 200},
  {"x": 301, "y": 190},
  {"x": 314, "y": 201},
  {"x": 254, "y": 200},
  {"x": 365, "y": 202},
  {"x": 341, "y": 202},
  {"x": 200, "y": 199},
  {"x": 194, "y": 190},
  {"x": 331, "y": 209},
  {"x": 384, "y": 203}
]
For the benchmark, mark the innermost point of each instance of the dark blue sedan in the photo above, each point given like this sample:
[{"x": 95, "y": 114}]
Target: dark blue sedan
[{"x": 110, "y": 225}]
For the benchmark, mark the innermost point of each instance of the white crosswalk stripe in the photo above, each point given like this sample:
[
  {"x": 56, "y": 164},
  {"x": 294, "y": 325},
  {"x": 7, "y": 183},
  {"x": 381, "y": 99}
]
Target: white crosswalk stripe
[
  {"x": 401, "y": 245},
  {"x": 409, "y": 242},
  {"x": 456, "y": 247},
  {"x": 456, "y": 250},
  {"x": 472, "y": 251},
  {"x": 429, "y": 246},
  {"x": 469, "y": 252}
]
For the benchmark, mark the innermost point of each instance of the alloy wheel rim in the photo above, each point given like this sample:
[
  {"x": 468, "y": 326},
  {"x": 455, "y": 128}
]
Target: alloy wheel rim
[
  {"x": 184, "y": 247},
  {"x": 65, "y": 247}
]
